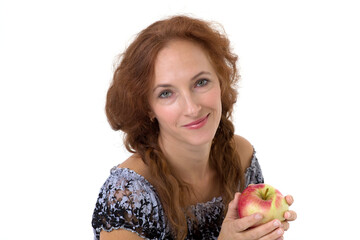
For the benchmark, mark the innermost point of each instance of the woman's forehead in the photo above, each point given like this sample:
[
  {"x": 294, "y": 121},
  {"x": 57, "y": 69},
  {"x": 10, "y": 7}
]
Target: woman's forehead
[{"x": 181, "y": 59}]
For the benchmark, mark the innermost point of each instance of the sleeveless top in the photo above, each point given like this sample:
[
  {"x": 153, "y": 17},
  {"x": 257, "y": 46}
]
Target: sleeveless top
[{"x": 128, "y": 201}]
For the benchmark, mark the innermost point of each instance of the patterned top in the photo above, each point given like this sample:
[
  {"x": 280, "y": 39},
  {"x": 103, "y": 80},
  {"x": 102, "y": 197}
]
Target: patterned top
[{"x": 128, "y": 201}]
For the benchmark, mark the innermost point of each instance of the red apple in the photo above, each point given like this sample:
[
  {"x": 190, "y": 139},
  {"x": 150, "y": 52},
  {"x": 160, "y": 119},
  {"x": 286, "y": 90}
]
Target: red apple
[{"x": 264, "y": 199}]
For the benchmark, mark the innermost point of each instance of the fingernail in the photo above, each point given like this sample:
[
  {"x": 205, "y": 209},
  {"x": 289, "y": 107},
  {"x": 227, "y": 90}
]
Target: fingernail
[
  {"x": 287, "y": 215},
  {"x": 276, "y": 223},
  {"x": 258, "y": 216},
  {"x": 279, "y": 231}
]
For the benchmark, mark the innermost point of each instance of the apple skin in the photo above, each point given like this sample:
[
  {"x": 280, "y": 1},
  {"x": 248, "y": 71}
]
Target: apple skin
[{"x": 264, "y": 199}]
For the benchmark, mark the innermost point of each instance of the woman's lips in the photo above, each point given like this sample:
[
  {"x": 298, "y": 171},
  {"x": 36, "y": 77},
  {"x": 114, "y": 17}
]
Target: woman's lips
[{"x": 198, "y": 123}]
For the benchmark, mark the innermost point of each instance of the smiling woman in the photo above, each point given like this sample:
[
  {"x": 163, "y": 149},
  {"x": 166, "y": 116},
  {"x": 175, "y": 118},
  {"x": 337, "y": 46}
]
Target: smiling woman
[
  {"x": 172, "y": 95},
  {"x": 187, "y": 96}
]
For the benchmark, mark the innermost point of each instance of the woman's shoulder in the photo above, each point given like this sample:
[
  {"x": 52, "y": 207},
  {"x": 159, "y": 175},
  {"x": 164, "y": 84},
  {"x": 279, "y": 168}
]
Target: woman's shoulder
[
  {"x": 250, "y": 164},
  {"x": 129, "y": 177},
  {"x": 136, "y": 165},
  {"x": 125, "y": 181},
  {"x": 128, "y": 201},
  {"x": 245, "y": 150}
]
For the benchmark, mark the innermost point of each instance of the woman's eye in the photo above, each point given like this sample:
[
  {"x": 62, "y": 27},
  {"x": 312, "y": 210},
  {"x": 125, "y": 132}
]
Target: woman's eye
[
  {"x": 165, "y": 94},
  {"x": 202, "y": 82}
]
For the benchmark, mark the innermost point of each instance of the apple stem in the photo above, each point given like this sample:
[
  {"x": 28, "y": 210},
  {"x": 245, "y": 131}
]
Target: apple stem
[{"x": 266, "y": 191}]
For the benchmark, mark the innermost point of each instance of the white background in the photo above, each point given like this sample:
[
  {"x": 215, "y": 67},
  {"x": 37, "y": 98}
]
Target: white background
[{"x": 298, "y": 105}]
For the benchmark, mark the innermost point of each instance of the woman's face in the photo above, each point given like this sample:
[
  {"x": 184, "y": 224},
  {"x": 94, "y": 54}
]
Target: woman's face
[{"x": 186, "y": 96}]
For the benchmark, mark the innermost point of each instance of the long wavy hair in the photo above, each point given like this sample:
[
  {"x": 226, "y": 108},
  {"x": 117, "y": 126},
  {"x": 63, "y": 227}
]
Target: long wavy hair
[{"x": 127, "y": 109}]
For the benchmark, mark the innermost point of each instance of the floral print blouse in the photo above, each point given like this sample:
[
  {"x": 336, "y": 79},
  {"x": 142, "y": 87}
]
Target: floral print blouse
[{"x": 128, "y": 201}]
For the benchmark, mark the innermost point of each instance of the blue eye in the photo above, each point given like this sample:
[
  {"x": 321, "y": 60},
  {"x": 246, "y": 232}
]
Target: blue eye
[
  {"x": 165, "y": 94},
  {"x": 202, "y": 82}
]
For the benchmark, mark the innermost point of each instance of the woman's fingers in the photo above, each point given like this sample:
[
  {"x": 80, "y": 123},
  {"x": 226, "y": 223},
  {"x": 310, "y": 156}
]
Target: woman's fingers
[
  {"x": 285, "y": 225},
  {"x": 276, "y": 234},
  {"x": 245, "y": 226},
  {"x": 270, "y": 230},
  {"x": 290, "y": 215},
  {"x": 245, "y": 223},
  {"x": 232, "y": 212},
  {"x": 289, "y": 199}
]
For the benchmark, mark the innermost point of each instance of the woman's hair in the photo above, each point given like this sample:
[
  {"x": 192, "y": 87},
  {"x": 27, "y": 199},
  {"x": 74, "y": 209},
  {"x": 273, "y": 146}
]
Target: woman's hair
[{"x": 128, "y": 109}]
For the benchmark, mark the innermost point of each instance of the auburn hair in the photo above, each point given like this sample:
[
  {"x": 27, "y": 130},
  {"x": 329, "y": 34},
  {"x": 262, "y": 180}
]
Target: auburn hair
[{"x": 127, "y": 109}]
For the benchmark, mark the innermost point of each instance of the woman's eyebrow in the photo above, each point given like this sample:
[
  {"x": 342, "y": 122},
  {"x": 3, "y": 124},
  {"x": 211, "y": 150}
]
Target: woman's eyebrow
[
  {"x": 192, "y": 79},
  {"x": 199, "y": 74},
  {"x": 162, "y": 85}
]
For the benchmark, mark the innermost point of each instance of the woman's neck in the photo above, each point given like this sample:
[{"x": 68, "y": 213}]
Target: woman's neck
[{"x": 190, "y": 163}]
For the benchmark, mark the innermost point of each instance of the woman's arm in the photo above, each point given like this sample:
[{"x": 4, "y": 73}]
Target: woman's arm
[{"x": 119, "y": 235}]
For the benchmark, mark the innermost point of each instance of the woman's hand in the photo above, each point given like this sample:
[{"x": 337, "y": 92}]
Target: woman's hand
[
  {"x": 234, "y": 227},
  {"x": 288, "y": 215}
]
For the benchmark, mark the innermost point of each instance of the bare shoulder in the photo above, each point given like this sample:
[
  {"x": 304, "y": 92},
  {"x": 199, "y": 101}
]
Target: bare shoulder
[
  {"x": 135, "y": 163},
  {"x": 119, "y": 234},
  {"x": 245, "y": 150}
]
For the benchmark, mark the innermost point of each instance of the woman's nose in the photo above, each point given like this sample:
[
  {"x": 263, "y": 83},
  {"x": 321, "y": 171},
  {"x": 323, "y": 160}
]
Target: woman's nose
[{"x": 191, "y": 105}]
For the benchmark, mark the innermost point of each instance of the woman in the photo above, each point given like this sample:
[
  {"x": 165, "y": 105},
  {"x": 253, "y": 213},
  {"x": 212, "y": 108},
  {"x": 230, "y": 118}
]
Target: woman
[{"x": 172, "y": 95}]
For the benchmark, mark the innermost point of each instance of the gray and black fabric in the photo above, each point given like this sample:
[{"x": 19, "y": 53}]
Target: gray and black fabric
[{"x": 128, "y": 201}]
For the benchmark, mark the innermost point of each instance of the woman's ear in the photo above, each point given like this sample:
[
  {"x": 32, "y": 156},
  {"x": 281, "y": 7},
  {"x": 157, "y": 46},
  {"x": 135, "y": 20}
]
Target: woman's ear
[{"x": 151, "y": 116}]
